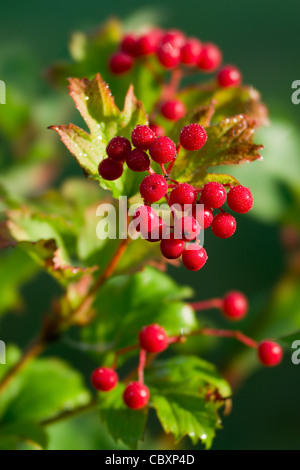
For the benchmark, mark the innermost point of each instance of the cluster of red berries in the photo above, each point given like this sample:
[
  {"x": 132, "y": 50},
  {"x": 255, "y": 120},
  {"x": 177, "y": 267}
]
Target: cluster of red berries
[
  {"x": 154, "y": 187},
  {"x": 154, "y": 339}
]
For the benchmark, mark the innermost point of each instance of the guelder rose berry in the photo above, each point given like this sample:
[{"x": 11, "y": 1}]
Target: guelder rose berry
[
  {"x": 136, "y": 395},
  {"x": 174, "y": 37},
  {"x": 240, "y": 199},
  {"x": 229, "y": 76},
  {"x": 194, "y": 257},
  {"x": 190, "y": 52},
  {"x": 128, "y": 45},
  {"x": 117, "y": 148},
  {"x": 168, "y": 55},
  {"x": 203, "y": 215},
  {"x": 157, "y": 129},
  {"x": 193, "y": 137},
  {"x": 104, "y": 379},
  {"x": 173, "y": 110},
  {"x": 183, "y": 193},
  {"x": 210, "y": 58},
  {"x": 142, "y": 137},
  {"x": 270, "y": 353},
  {"x": 153, "y": 188},
  {"x": 235, "y": 305},
  {"x": 110, "y": 169},
  {"x": 213, "y": 195},
  {"x": 172, "y": 248},
  {"x": 138, "y": 160},
  {"x": 120, "y": 63},
  {"x": 162, "y": 150},
  {"x": 153, "y": 338},
  {"x": 157, "y": 231},
  {"x": 145, "y": 218},
  {"x": 223, "y": 225},
  {"x": 186, "y": 228}
]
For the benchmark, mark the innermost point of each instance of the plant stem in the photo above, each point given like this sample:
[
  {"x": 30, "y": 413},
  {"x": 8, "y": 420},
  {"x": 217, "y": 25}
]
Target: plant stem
[
  {"x": 70, "y": 413},
  {"x": 226, "y": 334},
  {"x": 207, "y": 304},
  {"x": 141, "y": 366}
]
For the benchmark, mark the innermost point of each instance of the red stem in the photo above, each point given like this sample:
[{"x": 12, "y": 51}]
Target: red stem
[
  {"x": 228, "y": 334},
  {"x": 207, "y": 304},
  {"x": 141, "y": 367}
]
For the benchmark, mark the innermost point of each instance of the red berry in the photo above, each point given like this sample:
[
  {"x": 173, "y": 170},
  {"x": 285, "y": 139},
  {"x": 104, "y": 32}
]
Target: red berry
[
  {"x": 210, "y": 58},
  {"x": 136, "y": 395},
  {"x": 213, "y": 195},
  {"x": 223, "y": 225},
  {"x": 120, "y": 63},
  {"x": 104, "y": 379},
  {"x": 117, "y": 148},
  {"x": 129, "y": 45},
  {"x": 186, "y": 228},
  {"x": 173, "y": 110},
  {"x": 182, "y": 194},
  {"x": 190, "y": 52},
  {"x": 203, "y": 215},
  {"x": 138, "y": 160},
  {"x": 145, "y": 218},
  {"x": 153, "y": 338},
  {"x": 110, "y": 169},
  {"x": 240, "y": 199},
  {"x": 171, "y": 248},
  {"x": 229, "y": 76},
  {"x": 162, "y": 150},
  {"x": 153, "y": 188},
  {"x": 174, "y": 37},
  {"x": 157, "y": 129},
  {"x": 148, "y": 43},
  {"x": 168, "y": 55},
  {"x": 194, "y": 257},
  {"x": 142, "y": 137},
  {"x": 270, "y": 353},
  {"x": 193, "y": 137},
  {"x": 235, "y": 305},
  {"x": 157, "y": 231}
]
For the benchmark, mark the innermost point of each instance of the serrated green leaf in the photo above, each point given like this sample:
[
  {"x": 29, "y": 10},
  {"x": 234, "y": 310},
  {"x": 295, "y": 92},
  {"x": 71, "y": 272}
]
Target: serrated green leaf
[
  {"x": 23, "y": 430},
  {"x": 123, "y": 423}
]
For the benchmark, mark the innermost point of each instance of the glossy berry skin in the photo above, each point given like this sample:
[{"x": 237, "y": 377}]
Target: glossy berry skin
[
  {"x": 223, "y": 225},
  {"x": 153, "y": 338},
  {"x": 213, "y": 195},
  {"x": 138, "y": 160},
  {"x": 270, "y": 353},
  {"x": 203, "y": 215},
  {"x": 157, "y": 231},
  {"x": 210, "y": 58},
  {"x": 191, "y": 51},
  {"x": 235, "y": 305},
  {"x": 148, "y": 43},
  {"x": 157, "y": 129},
  {"x": 173, "y": 110},
  {"x": 153, "y": 188},
  {"x": 171, "y": 248},
  {"x": 168, "y": 55},
  {"x": 110, "y": 169},
  {"x": 142, "y": 137},
  {"x": 186, "y": 228},
  {"x": 183, "y": 193},
  {"x": 174, "y": 37},
  {"x": 146, "y": 218},
  {"x": 117, "y": 148},
  {"x": 240, "y": 199},
  {"x": 194, "y": 257},
  {"x": 129, "y": 45},
  {"x": 193, "y": 137},
  {"x": 104, "y": 379},
  {"x": 136, "y": 395},
  {"x": 120, "y": 63},
  {"x": 229, "y": 76},
  {"x": 162, "y": 150}
]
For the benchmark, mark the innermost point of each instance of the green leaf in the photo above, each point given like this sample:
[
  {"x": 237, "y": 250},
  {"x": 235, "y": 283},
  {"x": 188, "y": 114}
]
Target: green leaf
[
  {"x": 23, "y": 430},
  {"x": 104, "y": 120},
  {"x": 123, "y": 423}
]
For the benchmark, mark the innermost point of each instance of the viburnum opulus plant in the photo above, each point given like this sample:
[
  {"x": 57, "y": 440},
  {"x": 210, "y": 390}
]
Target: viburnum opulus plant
[{"x": 161, "y": 148}]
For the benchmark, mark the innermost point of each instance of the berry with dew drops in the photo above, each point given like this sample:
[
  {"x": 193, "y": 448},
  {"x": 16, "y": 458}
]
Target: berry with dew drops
[
  {"x": 136, "y": 395},
  {"x": 229, "y": 76},
  {"x": 162, "y": 150},
  {"x": 142, "y": 137},
  {"x": 213, "y": 195},
  {"x": 173, "y": 110},
  {"x": 153, "y": 338},
  {"x": 157, "y": 129},
  {"x": 270, "y": 353},
  {"x": 138, "y": 160},
  {"x": 194, "y": 257},
  {"x": 235, "y": 305},
  {"x": 186, "y": 228},
  {"x": 120, "y": 63},
  {"x": 110, "y": 169},
  {"x": 118, "y": 148},
  {"x": 104, "y": 379},
  {"x": 240, "y": 199},
  {"x": 172, "y": 248},
  {"x": 157, "y": 231},
  {"x": 145, "y": 217},
  {"x": 153, "y": 188},
  {"x": 183, "y": 193},
  {"x": 223, "y": 225},
  {"x": 193, "y": 137},
  {"x": 203, "y": 215}
]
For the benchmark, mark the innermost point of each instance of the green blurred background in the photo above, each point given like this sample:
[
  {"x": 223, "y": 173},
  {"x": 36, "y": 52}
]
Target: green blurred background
[{"x": 262, "y": 39}]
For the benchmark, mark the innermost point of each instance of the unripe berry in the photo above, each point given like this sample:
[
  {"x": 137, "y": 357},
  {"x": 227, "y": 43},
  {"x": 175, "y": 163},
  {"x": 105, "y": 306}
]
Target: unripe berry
[
  {"x": 194, "y": 257},
  {"x": 203, "y": 215},
  {"x": 157, "y": 129},
  {"x": 153, "y": 188},
  {"x": 145, "y": 217},
  {"x": 142, "y": 137},
  {"x": 171, "y": 248},
  {"x": 162, "y": 150},
  {"x": 157, "y": 232},
  {"x": 117, "y": 148},
  {"x": 153, "y": 338},
  {"x": 183, "y": 193},
  {"x": 174, "y": 37},
  {"x": 210, "y": 58},
  {"x": 138, "y": 160},
  {"x": 186, "y": 228},
  {"x": 235, "y": 305},
  {"x": 193, "y": 137},
  {"x": 173, "y": 110},
  {"x": 136, "y": 395},
  {"x": 120, "y": 63},
  {"x": 213, "y": 195},
  {"x": 229, "y": 76},
  {"x": 129, "y": 45},
  {"x": 223, "y": 225},
  {"x": 191, "y": 51},
  {"x": 104, "y": 379},
  {"x": 240, "y": 199},
  {"x": 168, "y": 55},
  {"x": 110, "y": 169},
  {"x": 270, "y": 353}
]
